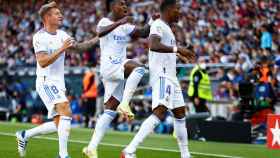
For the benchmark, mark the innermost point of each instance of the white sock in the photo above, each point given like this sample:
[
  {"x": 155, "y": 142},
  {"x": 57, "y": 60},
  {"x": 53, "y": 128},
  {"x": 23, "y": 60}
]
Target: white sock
[
  {"x": 101, "y": 127},
  {"x": 64, "y": 127},
  {"x": 132, "y": 82},
  {"x": 45, "y": 128},
  {"x": 182, "y": 137},
  {"x": 146, "y": 128}
]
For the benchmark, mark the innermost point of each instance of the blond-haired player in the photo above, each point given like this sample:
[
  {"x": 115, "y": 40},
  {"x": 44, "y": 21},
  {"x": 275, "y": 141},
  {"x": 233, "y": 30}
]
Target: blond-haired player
[{"x": 50, "y": 44}]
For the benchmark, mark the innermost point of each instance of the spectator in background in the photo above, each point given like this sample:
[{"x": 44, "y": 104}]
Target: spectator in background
[
  {"x": 200, "y": 87},
  {"x": 89, "y": 97},
  {"x": 266, "y": 38},
  {"x": 76, "y": 110},
  {"x": 265, "y": 71},
  {"x": 100, "y": 97}
]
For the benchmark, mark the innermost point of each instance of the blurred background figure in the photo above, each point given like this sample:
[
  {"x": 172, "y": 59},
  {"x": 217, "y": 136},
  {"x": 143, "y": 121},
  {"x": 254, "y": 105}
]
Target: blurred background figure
[
  {"x": 200, "y": 87},
  {"x": 89, "y": 97}
]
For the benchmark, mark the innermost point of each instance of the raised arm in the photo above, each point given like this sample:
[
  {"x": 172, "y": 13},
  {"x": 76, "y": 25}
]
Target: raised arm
[{"x": 141, "y": 32}]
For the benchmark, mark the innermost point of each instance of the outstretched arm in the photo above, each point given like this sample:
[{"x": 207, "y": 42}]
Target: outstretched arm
[
  {"x": 104, "y": 30},
  {"x": 86, "y": 45},
  {"x": 141, "y": 32}
]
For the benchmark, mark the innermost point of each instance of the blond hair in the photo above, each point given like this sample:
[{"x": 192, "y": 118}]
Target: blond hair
[{"x": 46, "y": 7}]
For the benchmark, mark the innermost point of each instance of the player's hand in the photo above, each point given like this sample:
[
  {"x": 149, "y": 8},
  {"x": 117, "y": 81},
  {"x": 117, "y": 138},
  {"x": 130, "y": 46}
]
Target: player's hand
[
  {"x": 127, "y": 19},
  {"x": 186, "y": 53},
  {"x": 69, "y": 42},
  {"x": 184, "y": 59}
]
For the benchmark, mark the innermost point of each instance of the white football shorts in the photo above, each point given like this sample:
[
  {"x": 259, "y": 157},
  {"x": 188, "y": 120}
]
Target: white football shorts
[
  {"x": 51, "y": 93},
  {"x": 168, "y": 93}
]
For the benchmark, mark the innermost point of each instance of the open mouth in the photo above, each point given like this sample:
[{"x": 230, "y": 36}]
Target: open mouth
[{"x": 125, "y": 11}]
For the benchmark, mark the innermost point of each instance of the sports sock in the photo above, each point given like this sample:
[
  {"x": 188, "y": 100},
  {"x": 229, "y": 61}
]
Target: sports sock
[
  {"x": 45, "y": 128},
  {"x": 132, "y": 82},
  {"x": 101, "y": 127},
  {"x": 64, "y": 127},
  {"x": 182, "y": 136},
  {"x": 146, "y": 128}
]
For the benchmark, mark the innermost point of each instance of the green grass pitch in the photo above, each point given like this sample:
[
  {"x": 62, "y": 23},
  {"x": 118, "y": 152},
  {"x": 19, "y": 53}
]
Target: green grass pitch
[{"x": 155, "y": 146}]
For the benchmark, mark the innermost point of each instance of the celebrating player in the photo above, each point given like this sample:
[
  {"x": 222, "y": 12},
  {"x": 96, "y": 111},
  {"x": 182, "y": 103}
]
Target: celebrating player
[
  {"x": 115, "y": 32},
  {"x": 167, "y": 93},
  {"x": 50, "y": 44}
]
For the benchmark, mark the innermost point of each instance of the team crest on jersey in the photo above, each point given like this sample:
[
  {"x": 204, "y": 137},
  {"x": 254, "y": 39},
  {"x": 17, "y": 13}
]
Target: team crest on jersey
[{"x": 120, "y": 39}]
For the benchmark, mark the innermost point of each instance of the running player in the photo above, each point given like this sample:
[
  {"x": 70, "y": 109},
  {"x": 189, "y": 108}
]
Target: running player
[
  {"x": 50, "y": 44},
  {"x": 167, "y": 93},
  {"x": 115, "y": 32}
]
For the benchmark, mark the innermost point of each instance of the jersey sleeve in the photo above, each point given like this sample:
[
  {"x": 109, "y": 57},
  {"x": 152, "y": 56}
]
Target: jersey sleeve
[
  {"x": 65, "y": 36},
  {"x": 102, "y": 23},
  {"x": 39, "y": 44},
  {"x": 156, "y": 29}
]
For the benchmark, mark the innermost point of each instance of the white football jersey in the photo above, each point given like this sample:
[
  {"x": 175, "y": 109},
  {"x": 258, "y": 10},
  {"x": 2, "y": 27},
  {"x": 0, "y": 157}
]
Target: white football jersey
[
  {"x": 44, "y": 41},
  {"x": 113, "y": 46},
  {"x": 162, "y": 64}
]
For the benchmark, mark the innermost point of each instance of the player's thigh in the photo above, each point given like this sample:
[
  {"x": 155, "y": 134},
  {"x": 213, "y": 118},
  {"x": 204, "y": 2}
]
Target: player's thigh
[
  {"x": 51, "y": 95},
  {"x": 160, "y": 111},
  {"x": 162, "y": 93},
  {"x": 179, "y": 112},
  {"x": 63, "y": 109},
  {"x": 178, "y": 104},
  {"x": 129, "y": 66},
  {"x": 113, "y": 88}
]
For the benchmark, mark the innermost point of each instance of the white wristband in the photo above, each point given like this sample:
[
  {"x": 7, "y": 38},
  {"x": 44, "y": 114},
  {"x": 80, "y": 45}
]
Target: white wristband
[{"x": 175, "y": 49}]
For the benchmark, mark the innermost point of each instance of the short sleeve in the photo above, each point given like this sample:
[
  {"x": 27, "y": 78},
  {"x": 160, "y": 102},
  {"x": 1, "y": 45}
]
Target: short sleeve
[
  {"x": 39, "y": 44},
  {"x": 103, "y": 22},
  {"x": 128, "y": 28},
  {"x": 64, "y": 35},
  {"x": 156, "y": 29}
]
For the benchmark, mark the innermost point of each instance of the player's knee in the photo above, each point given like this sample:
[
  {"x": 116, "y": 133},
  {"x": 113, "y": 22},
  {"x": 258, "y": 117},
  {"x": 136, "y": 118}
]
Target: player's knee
[
  {"x": 160, "y": 112},
  {"x": 179, "y": 113},
  {"x": 64, "y": 109},
  {"x": 112, "y": 104},
  {"x": 132, "y": 66},
  {"x": 56, "y": 120}
]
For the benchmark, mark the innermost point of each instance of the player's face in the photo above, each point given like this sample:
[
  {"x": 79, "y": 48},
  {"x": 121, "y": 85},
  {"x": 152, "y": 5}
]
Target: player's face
[
  {"x": 120, "y": 8},
  {"x": 175, "y": 12},
  {"x": 54, "y": 17}
]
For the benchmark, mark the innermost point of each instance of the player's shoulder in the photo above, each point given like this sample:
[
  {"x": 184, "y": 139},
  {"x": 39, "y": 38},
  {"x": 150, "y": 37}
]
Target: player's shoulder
[
  {"x": 61, "y": 32},
  {"x": 104, "y": 20},
  {"x": 39, "y": 34},
  {"x": 158, "y": 22}
]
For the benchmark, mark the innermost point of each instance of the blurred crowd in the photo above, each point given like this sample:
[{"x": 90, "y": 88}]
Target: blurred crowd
[{"x": 243, "y": 32}]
